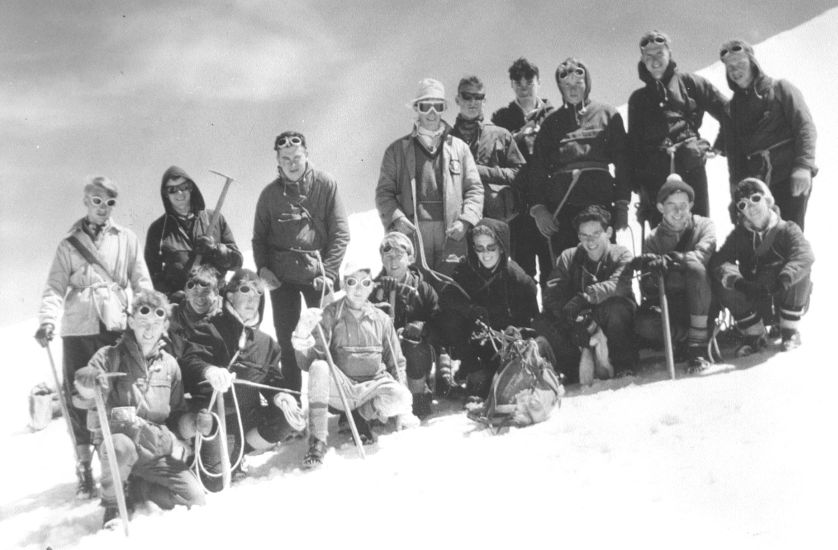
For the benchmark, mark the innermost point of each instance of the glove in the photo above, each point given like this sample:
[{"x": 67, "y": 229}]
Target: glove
[
  {"x": 44, "y": 334},
  {"x": 621, "y": 215},
  {"x": 677, "y": 260},
  {"x": 308, "y": 320},
  {"x": 205, "y": 245},
  {"x": 204, "y": 422},
  {"x": 85, "y": 381},
  {"x": 319, "y": 281},
  {"x": 220, "y": 379},
  {"x": 387, "y": 285},
  {"x": 403, "y": 225},
  {"x": 781, "y": 284},
  {"x": 801, "y": 181},
  {"x": 752, "y": 290},
  {"x": 154, "y": 439},
  {"x": 543, "y": 220},
  {"x": 660, "y": 264},
  {"x": 478, "y": 313},
  {"x": 413, "y": 331},
  {"x": 583, "y": 326},
  {"x": 270, "y": 279},
  {"x": 573, "y": 308},
  {"x": 408, "y": 294},
  {"x": 642, "y": 262}
]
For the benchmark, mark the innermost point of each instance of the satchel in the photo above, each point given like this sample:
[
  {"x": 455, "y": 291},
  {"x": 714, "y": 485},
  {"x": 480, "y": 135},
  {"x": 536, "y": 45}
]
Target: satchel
[{"x": 110, "y": 298}]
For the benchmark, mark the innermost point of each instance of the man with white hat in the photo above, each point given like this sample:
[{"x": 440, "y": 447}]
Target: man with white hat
[{"x": 429, "y": 181}]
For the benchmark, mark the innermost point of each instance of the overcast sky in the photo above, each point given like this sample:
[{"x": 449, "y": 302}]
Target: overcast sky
[{"x": 127, "y": 89}]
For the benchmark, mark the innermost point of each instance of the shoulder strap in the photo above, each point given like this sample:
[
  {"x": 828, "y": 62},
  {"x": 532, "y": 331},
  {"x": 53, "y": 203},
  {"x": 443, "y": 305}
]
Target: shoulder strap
[{"x": 88, "y": 255}]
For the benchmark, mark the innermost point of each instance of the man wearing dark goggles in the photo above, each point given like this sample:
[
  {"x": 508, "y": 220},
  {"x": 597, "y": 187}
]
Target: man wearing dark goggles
[
  {"x": 201, "y": 303},
  {"x": 419, "y": 174},
  {"x": 664, "y": 118},
  {"x": 772, "y": 134},
  {"x": 763, "y": 270},
  {"x": 495, "y": 152}
]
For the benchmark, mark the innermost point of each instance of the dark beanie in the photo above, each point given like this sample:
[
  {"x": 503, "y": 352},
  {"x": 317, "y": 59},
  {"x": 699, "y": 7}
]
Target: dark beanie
[{"x": 674, "y": 184}]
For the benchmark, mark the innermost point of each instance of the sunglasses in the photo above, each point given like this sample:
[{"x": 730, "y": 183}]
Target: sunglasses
[
  {"x": 352, "y": 281},
  {"x": 578, "y": 72},
  {"x": 487, "y": 248},
  {"x": 657, "y": 40},
  {"x": 468, "y": 96},
  {"x": 753, "y": 199},
  {"x": 732, "y": 49},
  {"x": 288, "y": 141},
  {"x": 99, "y": 201},
  {"x": 247, "y": 289},
  {"x": 185, "y": 187},
  {"x": 194, "y": 282},
  {"x": 426, "y": 107},
  {"x": 146, "y": 311}
]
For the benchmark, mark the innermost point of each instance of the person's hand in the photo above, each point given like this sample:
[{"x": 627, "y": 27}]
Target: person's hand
[
  {"x": 413, "y": 331},
  {"x": 659, "y": 265},
  {"x": 781, "y": 284},
  {"x": 309, "y": 318},
  {"x": 457, "y": 230},
  {"x": 220, "y": 379},
  {"x": 403, "y": 225},
  {"x": 801, "y": 181},
  {"x": 204, "y": 422},
  {"x": 574, "y": 306},
  {"x": 408, "y": 294},
  {"x": 387, "y": 284},
  {"x": 320, "y": 281},
  {"x": 547, "y": 226},
  {"x": 751, "y": 289},
  {"x": 85, "y": 381},
  {"x": 205, "y": 245},
  {"x": 642, "y": 262},
  {"x": 621, "y": 215},
  {"x": 677, "y": 260},
  {"x": 44, "y": 334},
  {"x": 271, "y": 280},
  {"x": 478, "y": 313}
]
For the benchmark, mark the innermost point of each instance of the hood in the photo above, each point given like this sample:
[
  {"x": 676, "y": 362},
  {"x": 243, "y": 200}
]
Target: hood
[
  {"x": 500, "y": 230},
  {"x": 572, "y": 61},
  {"x": 178, "y": 172},
  {"x": 647, "y": 77},
  {"x": 749, "y": 50}
]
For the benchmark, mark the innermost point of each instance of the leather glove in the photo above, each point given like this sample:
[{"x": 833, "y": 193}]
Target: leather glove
[
  {"x": 308, "y": 320},
  {"x": 319, "y": 281},
  {"x": 801, "y": 181},
  {"x": 270, "y": 278},
  {"x": 751, "y": 289},
  {"x": 543, "y": 220},
  {"x": 85, "y": 381},
  {"x": 659, "y": 265},
  {"x": 387, "y": 285},
  {"x": 44, "y": 334},
  {"x": 478, "y": 313},
  {"x": 403, "y": 225},
  {"x": 677, "y": 260},
  {"x": 413, "y": 331},
  {"x": 573, "y": 307},
  {"x": 621, "y": 215},
  {"x": 642, "y": 262},
  {"x": 204, "y": 422},
  {"x": 220, "y": 379},
  {"x": 205, "y": 245}
]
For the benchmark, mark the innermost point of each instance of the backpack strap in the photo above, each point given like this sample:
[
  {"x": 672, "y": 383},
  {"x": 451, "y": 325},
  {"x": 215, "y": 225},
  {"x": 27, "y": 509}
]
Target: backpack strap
[{"x": 91, "y": 258}]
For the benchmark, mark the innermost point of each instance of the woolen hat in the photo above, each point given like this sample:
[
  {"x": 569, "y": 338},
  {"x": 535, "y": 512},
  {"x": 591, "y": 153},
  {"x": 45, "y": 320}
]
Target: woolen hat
[
  {"x": 429, "y": 89},
  {"x": 674, "y": 184}
]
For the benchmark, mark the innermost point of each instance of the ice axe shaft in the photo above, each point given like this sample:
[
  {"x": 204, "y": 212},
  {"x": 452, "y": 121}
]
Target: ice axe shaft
[
  {"x": 217, "y": 212},
  {"x": 667, "y": 335},
  {"x": 107, "y": 439},
  {"x": 574, "y": 179},
  {"x": 62, "y": 400}
]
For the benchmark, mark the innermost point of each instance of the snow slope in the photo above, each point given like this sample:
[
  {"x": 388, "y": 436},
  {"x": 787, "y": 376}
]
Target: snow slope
[{"x": 744, "y": 458}]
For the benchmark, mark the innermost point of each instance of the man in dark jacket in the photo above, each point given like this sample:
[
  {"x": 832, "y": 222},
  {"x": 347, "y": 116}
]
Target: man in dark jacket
[
  {"x": 175, "y": 238},
  {"x": 232, "y": 344},
  {"x": 495, "y": 152},
  {"x": 591, "y": 280},
  {"x": 764, "y": 264},
  {"x": 300, "y": 234},
  {"x": 202, "y": 302},
  {"x": 577, "y": 145},
  {"x": 771, "y": 135},
  {"x": 491, "y": 289},
  {"x": 523, "y": 117},
  {"x": 664, "y": 118}
]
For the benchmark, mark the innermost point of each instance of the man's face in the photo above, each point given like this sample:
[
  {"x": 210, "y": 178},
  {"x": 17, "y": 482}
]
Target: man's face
[
  {"x": 99, "y": 205},
  {"x": 293, "y": 161},
  {"x": 738, "y": 68},
  {"x": 594, "y": 238},
  {"x": 572, "y": 84},
  {"x": 148, "y": 324},
  {"x": 471, "y": 98},
  {"x": 676, "y": 209},
  {"x": 755, "y": 208},
  {"x": 201, "y": 295},
  {"x": 245, "y": 299},
  {"x": 358, "y": 286},
  {"x": 395, "y": 261},
  {"x": 179, "y": 191},
  {"x": 487, "y": 250},
  {"x": 429, "y": 113},
  {"x": 656, "y": 59},
  {"x": 525, "y": 88}
]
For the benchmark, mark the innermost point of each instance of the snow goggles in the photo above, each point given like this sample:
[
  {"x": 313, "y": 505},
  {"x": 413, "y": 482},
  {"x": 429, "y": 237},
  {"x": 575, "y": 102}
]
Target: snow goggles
[
  {"x": 753, "y": 199},
  {"x": 193, "y": 283},
  {"x": 185, "y": 187},
  {"x": 366, "y": 282},
  {"x": 652, "y": 40},
  {"x": 288, "y": 141},
  {"x": 427, "y": 106},
  {"x": 391, "y": 250},
  {"x": 99, "y": 201},
  {"x": 569, "y": 72},
  {"x": 247, "y": 289},
  {"x": 727, "y": 50},
  {"x": 147, "y": 313},
  {"x": 468, "y": 96},
  {"x": 487, "y": 248}
]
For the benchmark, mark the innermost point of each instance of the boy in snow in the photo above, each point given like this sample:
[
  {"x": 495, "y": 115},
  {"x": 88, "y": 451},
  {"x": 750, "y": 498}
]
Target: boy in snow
[
  {"x": 96, "y": 265},
  {"x": 232, "y": 344},
  {"x": 146, "y": 413},
  {"x": 182, "y": 232},
  {"x": 370, "y": 369},
  {"x": 763, "y": 266},
  {"x": 590, "y": 281},
  {"x": 414, "y": 314},
  {"x": 680, "y": 248},
  {"x": 202, "y": 303}
]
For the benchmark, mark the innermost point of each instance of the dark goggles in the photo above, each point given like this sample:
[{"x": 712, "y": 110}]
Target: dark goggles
[
  {"x": 391, "y": 250},
  {"x": 191, "y": 284},
  {"x": 248, "y": 288},
  {"x": 426, "y": 106},
  {"x": 288, "y": 141},
  {"x": 725, "y": 51},
  {"x": 147, "y": 311},
  {"x": 99, "y": 201},
  {"x": 753, "y": 199},
  {"x": 652, "y": 40},
  {"x": 184, "y": 187},
  {"x": 568, "y": 72},
  {"x": 366, "y": 282},
  {"x": 468, "y": 96}
]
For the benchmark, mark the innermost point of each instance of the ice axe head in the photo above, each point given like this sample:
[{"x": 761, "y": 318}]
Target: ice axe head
[{"x": 225, "y": 176}]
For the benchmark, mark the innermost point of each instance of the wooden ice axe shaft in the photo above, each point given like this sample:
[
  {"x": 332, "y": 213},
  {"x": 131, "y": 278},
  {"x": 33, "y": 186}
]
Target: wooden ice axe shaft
[{"x": 217, "y": 212}]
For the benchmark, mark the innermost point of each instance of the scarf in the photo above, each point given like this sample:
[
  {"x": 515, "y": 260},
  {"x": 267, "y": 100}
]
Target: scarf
[{"x": 468, "y": 129}]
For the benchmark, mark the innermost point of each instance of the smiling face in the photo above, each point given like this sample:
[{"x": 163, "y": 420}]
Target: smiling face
[
  {"x": 470, "y": 98},
  {"x": 656, "y": 59},
  {"x": 396, "y": 262},
  {"x": 676, "y": 209},
  {"x": 487, "y": 250},
  {"x": 429, "y": 113},
  {"x": 358, "y": 286},
  {"x": 594, "y": 238},
  {"x": 148, "y": 329},
  {"x": 292, "y": 161},
  {"x": 739, "y": 69},
  {"x": 525, "y": 88},
  {"x": 179, "y": 191},
  {"x": 201, "y": 295}
]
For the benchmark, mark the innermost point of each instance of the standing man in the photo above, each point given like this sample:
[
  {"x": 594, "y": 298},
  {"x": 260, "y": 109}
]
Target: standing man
[
  {"x": 98, "y": 264},
  {"x": 300, "y": 235},
  {"x": 437, "y": 169},
  {"x": 495, "y": 152},
  {"x": 664, "y": 118},
  {"x": 523, "y": 117},
  {"x": 178, "y": 236},
  {"x": 577, "y": 144},
  {"x": 771, "y": 135}
]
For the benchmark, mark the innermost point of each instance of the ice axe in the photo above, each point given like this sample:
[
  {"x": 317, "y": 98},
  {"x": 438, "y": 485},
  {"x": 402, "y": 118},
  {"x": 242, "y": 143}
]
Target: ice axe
[
  {"x": 107, "y": 439},
  {"x": 217, "y": 212},
  {"x": 62, "y": 399},
  {"x": 667, "y": 335}
]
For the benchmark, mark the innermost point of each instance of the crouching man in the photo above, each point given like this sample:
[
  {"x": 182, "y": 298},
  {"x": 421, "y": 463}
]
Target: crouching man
[
  {"x": 146, "y": 409},
  {"x": 591, "y": 282},
  {"x": 680, "y": 247},
  {"x": 370, "y": 367},
  {"x": 763, "y": 268}
]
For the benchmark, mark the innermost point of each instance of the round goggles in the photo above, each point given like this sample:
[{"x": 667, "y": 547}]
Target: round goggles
[
  {"x": 288, "y": 141},
  {"x": 99, "y": 201},
  {"x": 571, "y": 72},
  {"x": 351, "y": 282},
  {"x": 393, "y": 251},
  {"x": 652, "y": 40},
  {"x": 185, "y": 187},
  {"x": 249, "y": 289},
  {"x": 428, "y": 106},
  {"x": 727, "y": 50},
  {"x": 753, "y": 199},
  {"x": 150, "y": 314},
  {"x": 200, "y": 285}
]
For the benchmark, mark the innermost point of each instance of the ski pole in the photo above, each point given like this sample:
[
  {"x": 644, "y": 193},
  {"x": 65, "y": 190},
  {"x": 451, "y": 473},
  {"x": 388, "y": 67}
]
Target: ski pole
[
  {"x": 107, "y": 438},
  {"x": 667, "y": 335},
  {"x": 62, "y": 400}
]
